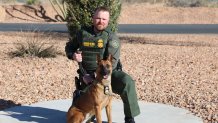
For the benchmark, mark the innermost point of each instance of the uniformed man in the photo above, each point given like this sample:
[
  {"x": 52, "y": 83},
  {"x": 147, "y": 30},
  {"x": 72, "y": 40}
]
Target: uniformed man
[{"x": 98, "y": 39}]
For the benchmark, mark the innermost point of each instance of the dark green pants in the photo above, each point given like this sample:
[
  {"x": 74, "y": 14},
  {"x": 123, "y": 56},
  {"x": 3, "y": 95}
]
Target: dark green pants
[{"x": 124, "y": 85}]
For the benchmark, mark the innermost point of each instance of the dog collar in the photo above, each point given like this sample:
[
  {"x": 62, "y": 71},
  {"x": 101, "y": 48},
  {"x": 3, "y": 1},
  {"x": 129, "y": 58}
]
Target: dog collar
[{"x": 106, "y": 88}]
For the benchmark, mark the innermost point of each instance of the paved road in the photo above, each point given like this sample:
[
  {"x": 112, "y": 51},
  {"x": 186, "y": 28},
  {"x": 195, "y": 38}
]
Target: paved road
[
  {"x": 122, "y": 28},
  {"x": 170, "y": 28}
]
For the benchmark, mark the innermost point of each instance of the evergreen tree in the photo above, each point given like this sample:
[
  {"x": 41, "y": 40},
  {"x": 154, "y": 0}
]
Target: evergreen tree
[{"x": 79, "y": 13}]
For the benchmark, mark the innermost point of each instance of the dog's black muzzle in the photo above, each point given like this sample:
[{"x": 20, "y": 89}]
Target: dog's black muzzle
[{"x": 105, "y": 70}]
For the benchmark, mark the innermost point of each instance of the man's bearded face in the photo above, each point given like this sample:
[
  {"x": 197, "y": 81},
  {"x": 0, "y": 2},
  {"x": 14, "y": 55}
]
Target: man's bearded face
[{"x": 101, "y": 20}]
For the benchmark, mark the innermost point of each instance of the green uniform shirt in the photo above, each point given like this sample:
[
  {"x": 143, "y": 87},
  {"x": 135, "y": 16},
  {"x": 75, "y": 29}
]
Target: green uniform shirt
[{"x": 91, "y": 43}]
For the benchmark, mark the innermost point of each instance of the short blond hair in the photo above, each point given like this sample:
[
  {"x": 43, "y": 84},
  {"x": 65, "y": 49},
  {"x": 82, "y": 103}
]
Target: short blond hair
[{"x": 102, "y": 8}]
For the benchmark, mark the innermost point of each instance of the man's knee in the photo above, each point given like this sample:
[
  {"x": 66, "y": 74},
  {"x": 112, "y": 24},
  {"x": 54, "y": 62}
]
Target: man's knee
[
  {"x": 122, "y": 82},
  {"x": 127, "y": 80}
]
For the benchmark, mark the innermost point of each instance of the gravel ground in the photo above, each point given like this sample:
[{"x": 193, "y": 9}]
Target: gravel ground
[{"x": 181, "y": 70}]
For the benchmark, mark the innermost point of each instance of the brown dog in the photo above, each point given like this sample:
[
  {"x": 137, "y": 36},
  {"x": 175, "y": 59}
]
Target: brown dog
[{"x": 97, "y": 96}]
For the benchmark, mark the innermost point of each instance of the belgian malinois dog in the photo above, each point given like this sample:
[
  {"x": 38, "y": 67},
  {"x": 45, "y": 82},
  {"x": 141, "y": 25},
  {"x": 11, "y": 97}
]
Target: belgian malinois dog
[{"x": 96, "y": 97}]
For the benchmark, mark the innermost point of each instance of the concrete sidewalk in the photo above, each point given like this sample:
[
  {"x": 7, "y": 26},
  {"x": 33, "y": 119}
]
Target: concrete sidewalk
[{"x": 55, "y": 112}]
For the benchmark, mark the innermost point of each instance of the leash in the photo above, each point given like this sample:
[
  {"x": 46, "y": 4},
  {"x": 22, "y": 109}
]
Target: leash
[{"x": 82, "y": 72}]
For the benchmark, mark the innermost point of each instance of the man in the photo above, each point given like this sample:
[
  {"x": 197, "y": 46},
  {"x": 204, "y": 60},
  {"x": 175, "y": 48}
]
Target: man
[{"x": 98, "y": 39}]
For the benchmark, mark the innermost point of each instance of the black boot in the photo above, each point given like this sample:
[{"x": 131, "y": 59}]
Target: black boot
[{"x": 129, "y": 120}]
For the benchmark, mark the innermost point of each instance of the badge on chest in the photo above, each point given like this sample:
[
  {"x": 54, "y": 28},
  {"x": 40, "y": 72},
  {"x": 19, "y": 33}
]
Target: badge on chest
[{"x": 99, "y": 43}]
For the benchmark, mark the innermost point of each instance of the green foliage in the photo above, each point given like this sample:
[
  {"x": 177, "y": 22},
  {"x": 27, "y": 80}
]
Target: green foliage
[{"x": 79, "y": 13}]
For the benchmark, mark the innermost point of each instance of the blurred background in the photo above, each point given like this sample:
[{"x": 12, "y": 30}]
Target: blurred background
[{"x": 173, "y": 3}]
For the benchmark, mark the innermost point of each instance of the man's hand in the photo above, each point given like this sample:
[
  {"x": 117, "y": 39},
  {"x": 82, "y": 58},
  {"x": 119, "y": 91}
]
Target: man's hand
[{"x": 77, "y": 56}]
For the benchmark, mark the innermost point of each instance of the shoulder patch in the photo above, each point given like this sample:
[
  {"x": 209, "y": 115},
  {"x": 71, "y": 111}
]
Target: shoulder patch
[{"x": 115, "y": 44}]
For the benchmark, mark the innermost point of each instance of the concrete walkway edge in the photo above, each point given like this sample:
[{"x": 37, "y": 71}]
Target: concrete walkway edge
[{"x": 55, "y": 112}]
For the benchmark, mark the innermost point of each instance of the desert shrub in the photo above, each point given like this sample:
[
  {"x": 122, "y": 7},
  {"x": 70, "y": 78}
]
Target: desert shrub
[
  {"x": 211, "y": 3},
  {"x": 7, "y": 1},
  {"x": 57, "y": 1},
  {"x": 35, "y": 46},
  {"x": 185, "y": 3},
  {"x": 59, "y": 5},
  {"x": 79, "y": 13},
  {"x": 33, "y": 49},
  {"x": 32, "y": 2},
  {"x": 178, "y": 3},
  {"x": 144, "y": 1}
]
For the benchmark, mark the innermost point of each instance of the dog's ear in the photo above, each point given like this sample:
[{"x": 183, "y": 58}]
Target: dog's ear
[
  {"x": 109, "y": 58},
  {"x": 98, "y": 58}
]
